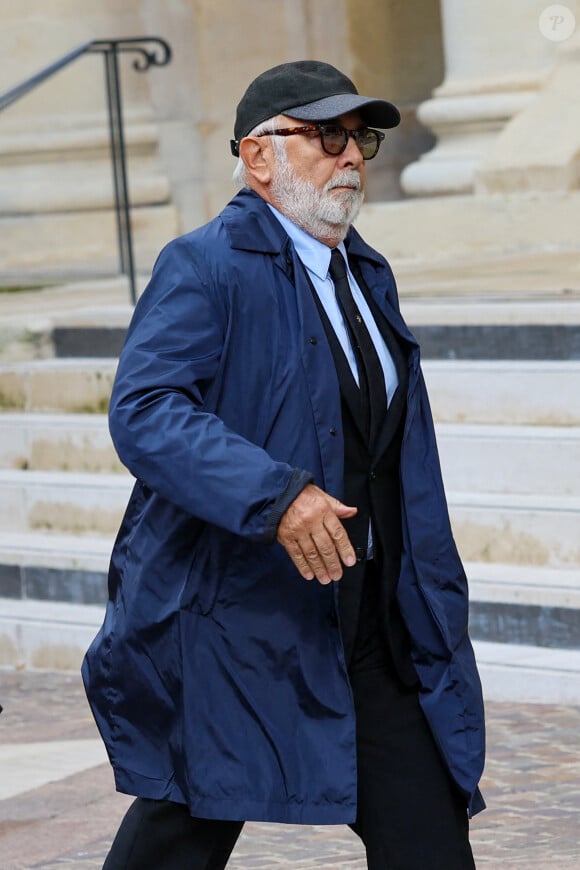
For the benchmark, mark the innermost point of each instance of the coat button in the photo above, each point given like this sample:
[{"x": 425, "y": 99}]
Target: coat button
[
  {"x": 333, "y": 431},
  {"x": 373, "y": 475},
  {"x": 360, "y": 554},
  {"x": 313, "y": 339}
]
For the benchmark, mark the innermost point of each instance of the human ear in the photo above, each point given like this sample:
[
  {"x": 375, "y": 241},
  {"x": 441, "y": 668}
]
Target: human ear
[{"x": 257, "y": 157}]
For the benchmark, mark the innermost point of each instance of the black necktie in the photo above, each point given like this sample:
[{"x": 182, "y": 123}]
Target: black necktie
[{"x": 370, "y": 371}]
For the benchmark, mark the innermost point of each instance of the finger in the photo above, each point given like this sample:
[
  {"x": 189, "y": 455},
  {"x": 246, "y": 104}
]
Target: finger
[
  {"x": 301, "y": 563},
  {"x": 340, "y": 509},
  {"x": 340, "y": 541},
  {"x": 314, "y": 559},
  {"x": 328, "y": 554},
  {"x": 299, "y": 560}
]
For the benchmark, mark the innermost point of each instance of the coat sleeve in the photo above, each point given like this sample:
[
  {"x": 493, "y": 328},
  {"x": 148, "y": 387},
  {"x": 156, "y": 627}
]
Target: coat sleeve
[{"x": 159, "y": 425}]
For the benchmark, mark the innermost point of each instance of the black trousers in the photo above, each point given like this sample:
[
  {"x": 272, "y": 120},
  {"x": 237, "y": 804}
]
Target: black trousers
[{"x": 410, "y": 813}]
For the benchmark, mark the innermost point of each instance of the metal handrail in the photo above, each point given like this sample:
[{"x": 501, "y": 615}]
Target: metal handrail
[{"x": 151, "y": 51}]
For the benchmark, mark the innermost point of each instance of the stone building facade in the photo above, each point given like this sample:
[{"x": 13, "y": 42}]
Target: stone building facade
[{"x": 491, "y": 85}]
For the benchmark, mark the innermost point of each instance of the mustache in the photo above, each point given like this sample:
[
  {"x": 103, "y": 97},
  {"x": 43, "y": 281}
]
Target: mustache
[{"x": 348, "y": 178}]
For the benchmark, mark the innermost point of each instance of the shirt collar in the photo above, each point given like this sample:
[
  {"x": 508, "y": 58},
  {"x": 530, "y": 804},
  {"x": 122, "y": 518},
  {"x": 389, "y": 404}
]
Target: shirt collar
[{"x": 314, "y": 254}]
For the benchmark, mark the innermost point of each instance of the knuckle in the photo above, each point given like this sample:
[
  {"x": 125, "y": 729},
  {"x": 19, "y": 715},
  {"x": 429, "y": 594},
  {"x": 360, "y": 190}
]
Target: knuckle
[
  {"x": 327, "y": 551},
  {"x": 300, "y": 522}
]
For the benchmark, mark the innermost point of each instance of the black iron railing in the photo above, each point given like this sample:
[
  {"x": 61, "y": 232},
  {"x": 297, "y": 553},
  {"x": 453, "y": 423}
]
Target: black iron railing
[{"x": 150, "y": 51}]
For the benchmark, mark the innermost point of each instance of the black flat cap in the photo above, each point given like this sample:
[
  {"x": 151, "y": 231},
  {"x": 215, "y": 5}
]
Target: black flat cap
[{"x": 308, "y": 90}]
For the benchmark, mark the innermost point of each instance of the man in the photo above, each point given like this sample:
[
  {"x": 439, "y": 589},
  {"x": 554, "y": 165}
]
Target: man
[{"x": 270, "y": 403}]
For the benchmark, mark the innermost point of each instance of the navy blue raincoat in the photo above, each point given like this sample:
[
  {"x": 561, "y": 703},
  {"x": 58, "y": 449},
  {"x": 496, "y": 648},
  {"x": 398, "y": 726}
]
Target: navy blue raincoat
[{"x": 218, "y": 677}]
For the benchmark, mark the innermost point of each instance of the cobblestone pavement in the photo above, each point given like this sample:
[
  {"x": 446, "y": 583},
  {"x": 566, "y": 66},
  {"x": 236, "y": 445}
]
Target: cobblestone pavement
[{"x": 532, "y": 787}]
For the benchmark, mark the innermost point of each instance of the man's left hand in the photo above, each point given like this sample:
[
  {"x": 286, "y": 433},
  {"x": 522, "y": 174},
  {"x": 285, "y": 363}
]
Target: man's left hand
[{"x": 313, "y": 536}]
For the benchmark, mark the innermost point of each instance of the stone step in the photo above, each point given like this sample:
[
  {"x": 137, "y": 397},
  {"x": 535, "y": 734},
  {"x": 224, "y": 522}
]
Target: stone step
[
  {"x": 62, "y": 501},
  {"x": 518, "y": 613},
  {"x": 435, "y": 307},
  {"x": 80, "y": 243},
  {"x": 55, "y": 567},
  {"x": 75, "y": 385},
  {"x": 45, "y": 634},
  {"x": 515, "y": 392},
  {"x": 523, "y": 584},
  {"x": 529, "y": 674},
  {"x": 558, "y": 341},
  {"x": 525, "y": 604},
  {"x": 495, "y": 341},
  {"x": 489, "y": 527},
  {"x": 481, "y": 458},
  {"x": 56, "y": 635},
  {"x": 30, "y": 318},
  {"x": 102, "y": 333},
  {"x": 24, "y": 554},
  {"x": 61, "y": 567},
  {"x": 94, "y": 341},
  {"x": 517, "y": 529},
  {"x": 57, "y": 442},
  {"x": 509, "y": 603},
  {"x": 517, "y": 459}
]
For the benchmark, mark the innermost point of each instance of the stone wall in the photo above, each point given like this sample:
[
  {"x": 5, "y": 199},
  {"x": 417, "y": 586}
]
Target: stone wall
[{"x": 494, "y": 95}]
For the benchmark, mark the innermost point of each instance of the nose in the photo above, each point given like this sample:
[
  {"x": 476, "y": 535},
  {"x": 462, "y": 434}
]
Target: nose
[{"x": 351, "y": 156}]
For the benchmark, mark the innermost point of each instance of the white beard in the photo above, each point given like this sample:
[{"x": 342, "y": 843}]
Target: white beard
[{"x": 321, "y": 213}]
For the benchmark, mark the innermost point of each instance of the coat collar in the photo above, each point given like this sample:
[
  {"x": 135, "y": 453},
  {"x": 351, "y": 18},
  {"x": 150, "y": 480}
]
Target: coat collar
[{"x": 251, "y": 226}]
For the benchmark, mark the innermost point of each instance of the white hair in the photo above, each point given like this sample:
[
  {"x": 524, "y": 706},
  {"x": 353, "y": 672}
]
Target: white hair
[
  {"x": 318, "y": 211},
  {"x": 240, "y": 173}
]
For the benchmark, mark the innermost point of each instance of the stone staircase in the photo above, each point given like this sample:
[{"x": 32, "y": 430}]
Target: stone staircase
[
  {"x": 503, "y": 369},
  {"x": 509, "y": 437},
  {"x": 514, "y": 495},
  {"x": 63, "y": 492}
]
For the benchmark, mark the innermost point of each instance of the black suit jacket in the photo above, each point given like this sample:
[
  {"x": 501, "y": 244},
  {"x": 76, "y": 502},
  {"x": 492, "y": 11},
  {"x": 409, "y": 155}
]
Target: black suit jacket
[{"x": 371, "y": 482}]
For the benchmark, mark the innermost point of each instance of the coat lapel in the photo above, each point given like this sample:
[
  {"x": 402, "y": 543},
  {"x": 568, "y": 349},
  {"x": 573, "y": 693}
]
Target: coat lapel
[
  {"x": 348, "y": 385},
  {"x": 398, "y": 402},
  {"x": 251, "y": 226},
  {"x": 321, "y": 374}
]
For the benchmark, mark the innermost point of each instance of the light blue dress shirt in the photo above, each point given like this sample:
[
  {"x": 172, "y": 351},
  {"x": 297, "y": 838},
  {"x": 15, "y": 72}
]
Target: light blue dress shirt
[{"x": 315, "y": 257}]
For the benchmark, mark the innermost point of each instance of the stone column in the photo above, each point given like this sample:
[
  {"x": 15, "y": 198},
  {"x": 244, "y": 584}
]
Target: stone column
[
  {"x": 496, "y": 61},
  {"x": 178, "y": 106},
  {"x": 539, "y": 150},
  {"x": 395, "y": 51},
  {"x": 232, "y": 43}
]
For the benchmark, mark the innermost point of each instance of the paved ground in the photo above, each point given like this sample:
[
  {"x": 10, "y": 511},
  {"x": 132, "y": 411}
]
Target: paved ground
[{"x": 58, "y": 808}]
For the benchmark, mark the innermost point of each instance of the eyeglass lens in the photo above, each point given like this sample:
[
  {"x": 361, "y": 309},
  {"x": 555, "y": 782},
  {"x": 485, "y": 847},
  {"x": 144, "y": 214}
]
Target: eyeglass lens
[{"x": 335, "y": 140}]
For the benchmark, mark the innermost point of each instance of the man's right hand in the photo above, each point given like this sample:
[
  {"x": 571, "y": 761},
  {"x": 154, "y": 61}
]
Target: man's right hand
[{"x": 313, "y": 536}]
